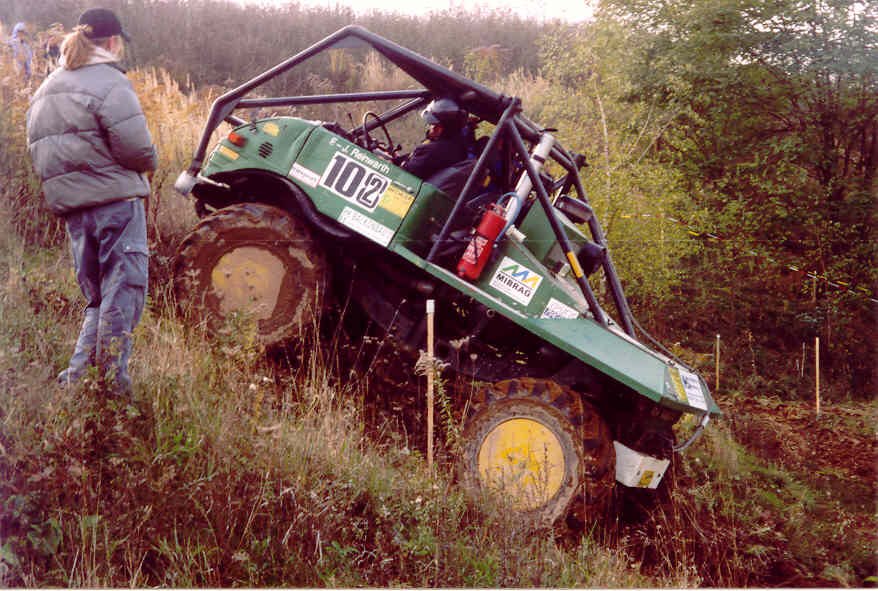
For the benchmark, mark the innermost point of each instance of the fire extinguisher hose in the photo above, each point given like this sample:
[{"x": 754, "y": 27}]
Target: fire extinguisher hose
[{"x": 510, "y": 215}]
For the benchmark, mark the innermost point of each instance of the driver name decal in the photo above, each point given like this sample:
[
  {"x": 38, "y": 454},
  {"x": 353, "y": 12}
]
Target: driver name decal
[
  {"x": 516, "y": 281},
  {"x": 366, "y": 226},
  {"x": 350, "y": 180}
]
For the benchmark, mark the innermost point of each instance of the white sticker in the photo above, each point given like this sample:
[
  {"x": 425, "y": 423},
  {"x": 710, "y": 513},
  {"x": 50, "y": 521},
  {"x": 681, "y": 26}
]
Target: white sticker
[
  {"x": 366, "y": 226},
  {"x": 306, "y": 175},
  {"x": 350, "y": 179},
  {"x": 694, "y": 394},
  {"x": 516, "y": 281},
  {"x": 558, "y": 309}
]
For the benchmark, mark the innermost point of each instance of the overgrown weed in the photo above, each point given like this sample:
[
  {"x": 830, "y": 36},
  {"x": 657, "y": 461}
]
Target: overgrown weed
[
  {"x": 221, "y": 472},
  {"x": 737, "y": 520}
]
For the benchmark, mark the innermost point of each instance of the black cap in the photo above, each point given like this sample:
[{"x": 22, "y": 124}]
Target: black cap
[{"x": 103, "y": 23}]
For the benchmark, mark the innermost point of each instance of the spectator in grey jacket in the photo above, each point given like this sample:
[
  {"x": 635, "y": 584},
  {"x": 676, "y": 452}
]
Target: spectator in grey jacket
[{"x": 90, "y": 146}]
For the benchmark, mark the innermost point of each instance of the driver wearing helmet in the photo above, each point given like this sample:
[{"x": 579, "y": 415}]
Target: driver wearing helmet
[{"x": 444, "y": 145}]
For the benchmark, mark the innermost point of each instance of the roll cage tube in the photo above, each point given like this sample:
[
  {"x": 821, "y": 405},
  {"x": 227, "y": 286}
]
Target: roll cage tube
[
  {"x": 392, "y": 114},
  {"x": 560, "y": 235},
  {"x": 322, "y": 99},
  {"x": 506, "y": 126},
  {"x": 438, "y": 79},
  {"x": 568, "y": 162},
  {"x": 225, "y": 104},
  {"x": 609, "y": 268}
]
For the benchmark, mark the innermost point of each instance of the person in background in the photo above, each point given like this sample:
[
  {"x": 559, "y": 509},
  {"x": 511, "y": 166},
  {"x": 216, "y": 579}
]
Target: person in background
[
  {"x": 90, "y": 145},
  {"x": 445, "y": 143},
  {"x": 22, "y": 52},
  {"x": 54, "y": 38}
]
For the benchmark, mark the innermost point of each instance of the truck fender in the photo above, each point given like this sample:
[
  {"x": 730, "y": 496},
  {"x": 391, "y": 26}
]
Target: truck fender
[{"x": 323, "y": 223}]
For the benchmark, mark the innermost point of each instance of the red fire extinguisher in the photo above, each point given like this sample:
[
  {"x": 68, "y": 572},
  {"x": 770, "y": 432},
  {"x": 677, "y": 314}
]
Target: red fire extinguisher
[{"x": 478, "y": 251}]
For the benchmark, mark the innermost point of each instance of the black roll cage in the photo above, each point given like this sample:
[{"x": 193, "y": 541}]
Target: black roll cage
[{"x": 503, "y": 111}]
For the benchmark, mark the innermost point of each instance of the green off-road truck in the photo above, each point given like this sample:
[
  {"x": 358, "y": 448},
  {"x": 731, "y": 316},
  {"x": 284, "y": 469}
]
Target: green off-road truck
[{"x": 571, "y": 401}]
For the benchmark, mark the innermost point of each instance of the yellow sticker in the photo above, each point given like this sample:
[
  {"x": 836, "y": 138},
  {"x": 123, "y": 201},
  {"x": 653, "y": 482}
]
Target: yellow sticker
[
  {"x": 678, "y": 384},
  {"x": 228, "y": 153},
  {"x": 271, "y": 129},
  {"x": 396, "y": 201},
  {"x": 646, "y": 479}
]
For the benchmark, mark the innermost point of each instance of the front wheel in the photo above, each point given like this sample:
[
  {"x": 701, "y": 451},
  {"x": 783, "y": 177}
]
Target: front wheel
[
  {"x": 254, "y": 260},
  {"x": 524, "y": 440}
]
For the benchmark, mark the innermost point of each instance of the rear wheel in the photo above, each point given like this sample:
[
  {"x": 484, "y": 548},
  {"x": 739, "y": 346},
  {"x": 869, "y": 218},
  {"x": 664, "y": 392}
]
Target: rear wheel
[
  {"x": 255, "y": 260},
  {"x": 523, "y": 440}
]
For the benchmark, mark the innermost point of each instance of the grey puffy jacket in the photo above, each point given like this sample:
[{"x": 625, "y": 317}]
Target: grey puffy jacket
[{"x": 88, "y": 139}]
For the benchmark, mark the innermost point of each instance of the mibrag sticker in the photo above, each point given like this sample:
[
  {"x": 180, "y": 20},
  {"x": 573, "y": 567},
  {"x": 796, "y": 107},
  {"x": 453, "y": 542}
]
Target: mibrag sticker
[{"x": 516, "y": 281}]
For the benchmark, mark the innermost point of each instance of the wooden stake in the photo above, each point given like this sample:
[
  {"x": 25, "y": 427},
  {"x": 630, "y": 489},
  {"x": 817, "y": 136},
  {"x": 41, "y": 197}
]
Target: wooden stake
[
  {"x": 716, "y": 388},
  {"x": 817, "y": 372},
  {"x": 430, "y": 313},
  {"x": 802, "y": 366}
]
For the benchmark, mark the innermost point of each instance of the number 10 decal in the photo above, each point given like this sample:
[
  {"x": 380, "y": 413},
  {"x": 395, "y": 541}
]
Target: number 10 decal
[{"x": 351, "y": 180}]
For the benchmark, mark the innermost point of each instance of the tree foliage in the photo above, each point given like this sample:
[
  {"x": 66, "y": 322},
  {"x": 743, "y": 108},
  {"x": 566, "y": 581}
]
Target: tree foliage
[
  {"x": 221, "y": 42},
  {"x": 775, "y": 135},
  {"x": 631, "y": 192}
]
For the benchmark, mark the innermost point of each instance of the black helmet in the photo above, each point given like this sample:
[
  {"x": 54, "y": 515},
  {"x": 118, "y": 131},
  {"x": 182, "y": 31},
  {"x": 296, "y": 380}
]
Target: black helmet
[{"x": 445, "y": 112}]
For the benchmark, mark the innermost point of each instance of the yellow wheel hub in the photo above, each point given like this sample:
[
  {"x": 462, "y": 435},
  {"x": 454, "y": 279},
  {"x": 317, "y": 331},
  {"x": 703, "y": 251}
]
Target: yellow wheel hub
[
  {"x": 248, "y": 279},
  {"x": 524, "y": 461}
]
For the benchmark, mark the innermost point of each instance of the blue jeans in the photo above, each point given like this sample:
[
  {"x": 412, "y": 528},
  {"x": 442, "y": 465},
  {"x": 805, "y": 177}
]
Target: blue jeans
[{"x": 111, "y": 258}]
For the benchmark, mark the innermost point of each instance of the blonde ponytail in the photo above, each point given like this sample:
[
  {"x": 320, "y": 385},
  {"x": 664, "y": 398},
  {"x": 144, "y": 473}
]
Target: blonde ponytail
[{"x": 77, "y": 48}]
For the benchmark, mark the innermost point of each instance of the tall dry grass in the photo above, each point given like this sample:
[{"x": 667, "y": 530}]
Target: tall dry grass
[
  {"x": 225, "y": 469},
  {"x": 176, "y": 120}
]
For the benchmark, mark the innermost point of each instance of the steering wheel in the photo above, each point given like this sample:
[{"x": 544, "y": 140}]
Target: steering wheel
[{"x": 372, "y": 144}]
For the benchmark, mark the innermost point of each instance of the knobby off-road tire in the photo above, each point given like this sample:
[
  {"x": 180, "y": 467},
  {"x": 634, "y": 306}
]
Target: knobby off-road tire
[
  {"x": 539, "y": 447},
  {"x": 599, "y": 456},
  {"x": 253, "y": 259}
]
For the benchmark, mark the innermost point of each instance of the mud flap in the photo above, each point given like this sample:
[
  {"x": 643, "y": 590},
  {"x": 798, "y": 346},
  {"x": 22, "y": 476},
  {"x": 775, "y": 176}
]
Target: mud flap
[{"x": 638, "y": 470}]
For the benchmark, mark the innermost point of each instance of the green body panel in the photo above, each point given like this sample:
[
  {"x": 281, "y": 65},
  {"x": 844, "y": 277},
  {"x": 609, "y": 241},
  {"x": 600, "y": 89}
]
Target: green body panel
[
  {"x": 540, "y": 239},
  {"x": 425, "y": 219},
  {"x": 524, "y": 280},
  {"x": 352, "y": 185},
  {"x": 272, "y": 144},
  {"x": 610, "y": 351}
]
